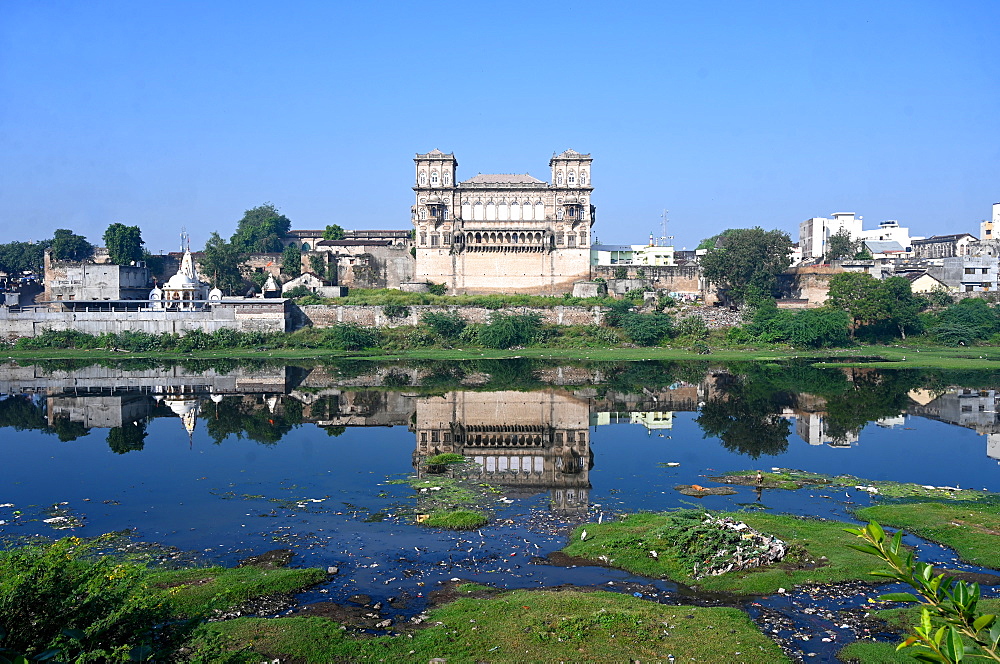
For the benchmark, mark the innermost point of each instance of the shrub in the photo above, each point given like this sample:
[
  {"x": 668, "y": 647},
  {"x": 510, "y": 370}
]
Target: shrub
[
  {"x": 647, "y": 329},
  {"x": 616, "y": 311},
  {"x": 621, "y": 273},
  {"x": 509, "y": 330},
  {"x": 692, "y": 326},
  {"x": 63, "y": 595},
  {"x": 298, "y": 291},
  {"x": 449, "y": 325},
  {"x": 396, "y": 310},
  {"x": 349, "y": 336},
  {"x": 437, "y": 289}
]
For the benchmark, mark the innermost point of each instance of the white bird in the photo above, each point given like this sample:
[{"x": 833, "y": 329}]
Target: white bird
[{"x": 583, "y": 535}]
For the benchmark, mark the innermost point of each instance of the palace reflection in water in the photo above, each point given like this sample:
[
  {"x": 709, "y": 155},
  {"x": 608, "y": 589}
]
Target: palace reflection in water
[{"x": 528, "y": 441}]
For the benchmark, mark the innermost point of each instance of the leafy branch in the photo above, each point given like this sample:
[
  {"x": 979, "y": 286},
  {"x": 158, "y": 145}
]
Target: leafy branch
[{"x": 948, "y": 619}]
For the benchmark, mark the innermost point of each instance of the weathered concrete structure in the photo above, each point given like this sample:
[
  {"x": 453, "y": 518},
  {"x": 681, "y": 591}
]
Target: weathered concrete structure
[
  {"x": 503, "y": 233},
  {"x": 69, "y": 281},
  {"x": 241, "y": 315}
]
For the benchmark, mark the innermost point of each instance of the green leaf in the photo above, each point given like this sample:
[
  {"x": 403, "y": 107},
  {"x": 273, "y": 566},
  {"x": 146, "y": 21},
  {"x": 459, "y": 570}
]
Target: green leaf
[
  {"x": 898, "y": 597},
  {"x": 953, "y": 647},
  {"x": 866, "y": 548},
  {"x": 73, "y": 633},
  {"x": 875, "y": 531},
  {"x": 46, "y": 655}
]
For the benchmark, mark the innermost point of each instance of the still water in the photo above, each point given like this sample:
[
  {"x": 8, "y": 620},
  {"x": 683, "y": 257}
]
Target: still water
[{"x": 223, "y": 462}]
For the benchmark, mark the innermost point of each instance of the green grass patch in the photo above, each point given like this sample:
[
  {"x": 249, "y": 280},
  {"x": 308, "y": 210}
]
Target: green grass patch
[
  {"x": 458, "y": 519},
  {"x": 199, "y": 591},
  {"x": 866, "y": 652},
  {"x": 519, "y": 626},
  {"x": 819, "y": 548},
  {"x": 970, "y": 528},
  {"x": 444, "y": 459},
  {"x": 780, "y": 479}
]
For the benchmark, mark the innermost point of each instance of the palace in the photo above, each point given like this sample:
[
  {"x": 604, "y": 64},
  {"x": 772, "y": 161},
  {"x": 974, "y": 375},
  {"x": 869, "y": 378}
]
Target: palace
[{"x": 503, "y": 233}]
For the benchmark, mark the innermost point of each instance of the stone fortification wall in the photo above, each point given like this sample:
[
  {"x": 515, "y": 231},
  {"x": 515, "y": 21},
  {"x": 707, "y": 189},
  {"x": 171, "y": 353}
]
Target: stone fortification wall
[
  {"x": 373, "y": 316},
  {"x": 671, "y": 278},
  {"x": 263, "y": 317},
  {"x": 810, "y": 283}
]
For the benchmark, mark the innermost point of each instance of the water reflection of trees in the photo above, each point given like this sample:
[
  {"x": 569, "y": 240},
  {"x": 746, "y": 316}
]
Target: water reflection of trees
[
  {"x": 253, "y": 417},
  {"x": 745, "y": 414},
  {"x": 21, "y": 413},
  {"x": 749, "y": 400},
  {"x": 130, "y": 437}
]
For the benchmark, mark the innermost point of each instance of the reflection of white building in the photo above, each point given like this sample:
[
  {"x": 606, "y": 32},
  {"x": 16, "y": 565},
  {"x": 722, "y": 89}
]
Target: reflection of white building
[
  {"x": 811, "y": 427},
  {"x": 652, "y": 420},
  {"x": 892, "y": 422}
]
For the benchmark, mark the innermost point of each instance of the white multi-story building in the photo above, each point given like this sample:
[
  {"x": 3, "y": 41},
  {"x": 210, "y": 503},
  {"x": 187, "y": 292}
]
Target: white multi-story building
[{"x": 815, "y": 233}]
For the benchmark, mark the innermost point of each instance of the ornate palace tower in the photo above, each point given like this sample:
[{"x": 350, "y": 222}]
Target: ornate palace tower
[{"x": 503, "y": 233}]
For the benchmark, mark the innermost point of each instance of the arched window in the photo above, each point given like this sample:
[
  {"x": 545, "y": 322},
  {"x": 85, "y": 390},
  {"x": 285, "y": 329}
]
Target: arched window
[
  {"x": 477, "y": 211},
  {"x": 423, "y": 213},
  {"x": 447, "y": 179},
  {"x": 527, "y": 211},
  {"x": 502, "y": 211},
  {"x": 423, "y": 178},
  {"x": 434, "y": 179},
  {"x": 583, "y": 177},
  {"x": 559, "y": 177},
  {"x": 515, "y": 211},
  {"x": 305, "y": 246},
  {"x": 491, "y": 211},
  {"x": 539, "y": 211},
  {"x": 571, "y": 178}
]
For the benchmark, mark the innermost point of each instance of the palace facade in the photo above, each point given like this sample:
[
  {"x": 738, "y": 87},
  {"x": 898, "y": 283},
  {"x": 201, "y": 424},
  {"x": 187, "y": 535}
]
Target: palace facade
[{"x": 503, "y": 233}]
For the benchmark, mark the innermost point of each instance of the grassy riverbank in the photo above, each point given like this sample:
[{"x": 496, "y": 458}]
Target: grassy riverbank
[
  {"x": 985, "y": 357},
  {"x": 517, "y": 626}
]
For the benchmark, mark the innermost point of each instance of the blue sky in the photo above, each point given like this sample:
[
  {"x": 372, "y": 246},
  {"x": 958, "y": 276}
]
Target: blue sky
[{"x": 728, "y": 114}]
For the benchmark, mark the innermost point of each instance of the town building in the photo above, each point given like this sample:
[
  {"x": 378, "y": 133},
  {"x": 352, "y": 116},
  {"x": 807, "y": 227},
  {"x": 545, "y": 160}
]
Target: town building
[
  {"x": 503, "y": 232},
  {"x": 987, "y": 226},
  {"x": 944, "y": 246},
  {"x": 86, "y": 281},
  {"x": 814, "y": 233},
  {"x": 632, "y": 254}
]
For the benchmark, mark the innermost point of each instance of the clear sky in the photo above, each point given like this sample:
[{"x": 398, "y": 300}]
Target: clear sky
[{"x": 728, "y": 114}]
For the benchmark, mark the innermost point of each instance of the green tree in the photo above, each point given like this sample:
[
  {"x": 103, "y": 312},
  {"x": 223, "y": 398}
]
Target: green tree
[
  {"x": 18, "y": 257},
  {"x": 870, "y": 302},
  {"x": 901, "y": 304},
  {"x": 220, "y": 264},
  {"x": 745, "y": 262},
  {"x": 858, "y": 294},
  {"x": 261, "y": 230},
  {"x": 124, "y": 243},
  {"x": 68, "y": 246},
  {"x": 840, "y": 245},
  {"x": 333, "y": 232},
  {"x": 317, "y": 263},
  {"x": 291, "y": 261}
]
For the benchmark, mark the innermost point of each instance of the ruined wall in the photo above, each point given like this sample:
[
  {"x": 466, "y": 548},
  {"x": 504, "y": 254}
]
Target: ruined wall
[
  {"x": 670, "y": 278},
  {"x": 810, "y": 283},
  {"x": 369, "y": 266},
  {"x": 324, "y": 316},
  {"x": 254, "y": 316}
]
